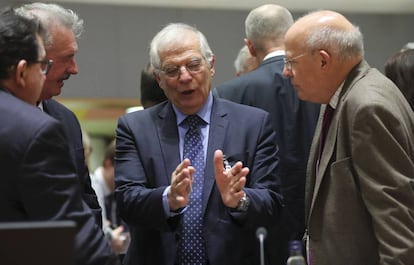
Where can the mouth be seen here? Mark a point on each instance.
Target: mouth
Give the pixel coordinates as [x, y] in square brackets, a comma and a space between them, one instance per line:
[295, 86]
[65, 77]
[187, 92]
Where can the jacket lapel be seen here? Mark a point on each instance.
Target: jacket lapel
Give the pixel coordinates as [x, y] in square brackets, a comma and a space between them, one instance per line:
[217, 134]
[166, 123]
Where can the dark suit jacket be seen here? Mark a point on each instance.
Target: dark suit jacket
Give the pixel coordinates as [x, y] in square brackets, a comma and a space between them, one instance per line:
[38, 179]
[360, 206]
[147, 153]
[73, 133]
[294, 122]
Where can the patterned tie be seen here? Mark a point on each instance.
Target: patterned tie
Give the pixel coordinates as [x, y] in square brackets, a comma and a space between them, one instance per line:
[192, 246]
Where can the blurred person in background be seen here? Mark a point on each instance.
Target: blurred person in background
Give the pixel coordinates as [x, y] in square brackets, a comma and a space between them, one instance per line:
[400, 69]
[151, 93]
[103, 182]
[245, 62]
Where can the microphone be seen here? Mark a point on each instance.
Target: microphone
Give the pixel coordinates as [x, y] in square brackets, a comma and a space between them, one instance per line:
[261, 234]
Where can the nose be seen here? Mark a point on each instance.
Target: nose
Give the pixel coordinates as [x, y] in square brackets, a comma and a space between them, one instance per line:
[73, 68]
[184, 73]
[287, 72]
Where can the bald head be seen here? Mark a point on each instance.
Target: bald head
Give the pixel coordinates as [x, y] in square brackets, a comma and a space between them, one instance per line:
[321, 48]
[327, 30]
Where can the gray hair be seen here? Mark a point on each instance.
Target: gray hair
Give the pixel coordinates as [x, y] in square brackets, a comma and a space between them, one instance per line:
[344, 44]
[241, 59]
[267, 24]
[51, 15]
[170, 34]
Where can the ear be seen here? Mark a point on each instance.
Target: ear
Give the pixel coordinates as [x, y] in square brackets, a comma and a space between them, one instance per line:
[211, 64]
[21, 72]
[325, 58]
[156, 75]
[250, 46]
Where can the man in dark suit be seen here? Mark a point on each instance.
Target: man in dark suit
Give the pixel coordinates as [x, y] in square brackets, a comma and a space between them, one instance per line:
[293, 119]
[157, 184]
[360, 185]
[38, 177]
[64, 28]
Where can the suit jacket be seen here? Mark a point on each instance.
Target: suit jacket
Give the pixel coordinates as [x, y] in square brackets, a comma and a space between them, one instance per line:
[73, 133]
[147, 153]
[294, 122]
[360, 205]
[38, 177]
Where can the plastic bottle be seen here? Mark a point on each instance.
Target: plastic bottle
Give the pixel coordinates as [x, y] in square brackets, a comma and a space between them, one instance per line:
[296, 255]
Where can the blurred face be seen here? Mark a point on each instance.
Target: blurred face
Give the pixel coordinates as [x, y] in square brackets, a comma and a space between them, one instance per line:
[189, 88]
[62, 52]
[251, 64]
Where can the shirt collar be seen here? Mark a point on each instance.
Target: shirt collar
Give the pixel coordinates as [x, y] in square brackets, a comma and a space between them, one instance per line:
[40, 105]
[274, 54]
[204, 113]
[335, 98]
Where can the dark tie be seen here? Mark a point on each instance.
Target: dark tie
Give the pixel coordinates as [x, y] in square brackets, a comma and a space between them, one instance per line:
[192, 245]
[111, 211]
[326, 122]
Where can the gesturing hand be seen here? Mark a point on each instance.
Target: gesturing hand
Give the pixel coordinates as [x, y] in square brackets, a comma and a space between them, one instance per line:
[231, 182]
[181, 181]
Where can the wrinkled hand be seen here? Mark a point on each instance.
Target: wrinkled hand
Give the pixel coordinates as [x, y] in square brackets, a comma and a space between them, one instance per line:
[181, 182]
[230, 183]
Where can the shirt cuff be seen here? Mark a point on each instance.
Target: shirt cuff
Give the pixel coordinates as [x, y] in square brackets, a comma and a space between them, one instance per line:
[166, 206]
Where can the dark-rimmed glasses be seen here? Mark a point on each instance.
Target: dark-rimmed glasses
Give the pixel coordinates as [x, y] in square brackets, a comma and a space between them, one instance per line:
[288, 62]
[45, 65]
[193, 67]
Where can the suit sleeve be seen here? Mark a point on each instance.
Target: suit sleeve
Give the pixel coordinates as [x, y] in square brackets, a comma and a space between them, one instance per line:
[138, 195]
[263, 185]
[50, 191]
[88, 193]
[382, 152]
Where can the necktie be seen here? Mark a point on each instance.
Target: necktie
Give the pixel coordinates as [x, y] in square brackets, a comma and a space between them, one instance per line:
[192, 245]
[111, 212]
[326, 122]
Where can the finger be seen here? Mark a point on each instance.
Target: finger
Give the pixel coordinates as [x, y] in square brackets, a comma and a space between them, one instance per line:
[218, 163]
[239, 181]
[184, 164]
[239, 185]
[185, 172]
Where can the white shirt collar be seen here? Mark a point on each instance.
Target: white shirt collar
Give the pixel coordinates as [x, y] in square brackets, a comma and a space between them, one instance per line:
[274, 54]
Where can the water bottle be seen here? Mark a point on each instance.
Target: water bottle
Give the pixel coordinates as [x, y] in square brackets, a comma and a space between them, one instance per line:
[296, 255]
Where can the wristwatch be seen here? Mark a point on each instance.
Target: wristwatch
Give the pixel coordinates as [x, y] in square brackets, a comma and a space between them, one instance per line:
[244, 203]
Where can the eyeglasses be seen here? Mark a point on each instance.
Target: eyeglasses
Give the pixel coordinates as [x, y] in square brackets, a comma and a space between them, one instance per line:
[288, 62]
[193, 67]
[45, 65]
